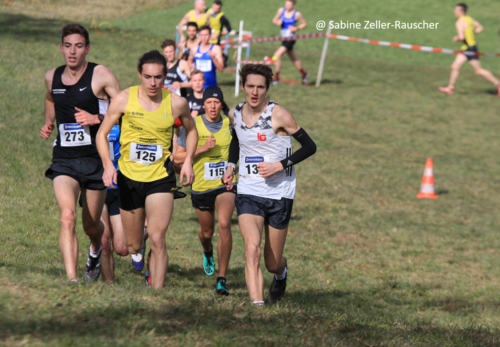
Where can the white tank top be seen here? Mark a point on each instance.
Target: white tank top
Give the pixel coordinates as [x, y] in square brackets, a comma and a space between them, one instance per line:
[261, 143]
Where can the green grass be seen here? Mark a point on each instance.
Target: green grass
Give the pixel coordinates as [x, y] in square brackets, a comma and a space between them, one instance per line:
[369, 263]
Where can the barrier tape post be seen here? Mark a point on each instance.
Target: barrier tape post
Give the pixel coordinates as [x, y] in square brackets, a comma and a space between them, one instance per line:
[238, 64]
[323, 56]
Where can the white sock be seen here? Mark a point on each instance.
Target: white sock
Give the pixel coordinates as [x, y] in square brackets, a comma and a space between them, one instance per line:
[258, 303]
[137, 257]
[94, 254]
[282, 276]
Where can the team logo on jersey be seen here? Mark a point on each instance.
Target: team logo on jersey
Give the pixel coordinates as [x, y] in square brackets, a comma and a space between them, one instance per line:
[261, 137]
[82, 89]
[58, 91]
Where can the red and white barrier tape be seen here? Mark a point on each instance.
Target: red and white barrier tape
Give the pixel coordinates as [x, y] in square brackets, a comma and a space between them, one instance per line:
[261, 62]
[234, 39]
[291, 38]
[414, 47]
[244, 45]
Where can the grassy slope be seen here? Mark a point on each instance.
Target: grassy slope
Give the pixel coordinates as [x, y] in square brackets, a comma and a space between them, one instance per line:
[369, 263]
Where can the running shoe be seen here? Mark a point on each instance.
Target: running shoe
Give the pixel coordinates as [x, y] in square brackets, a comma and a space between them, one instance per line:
[138, 266]
[147, 278]
[275, 82]
[221, 288]
[93, 268]
[446, 90]
[208, 263]
[305, 77]
[277, 288]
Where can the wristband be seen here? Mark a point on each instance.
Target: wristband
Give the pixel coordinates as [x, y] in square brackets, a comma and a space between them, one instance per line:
[232, 165]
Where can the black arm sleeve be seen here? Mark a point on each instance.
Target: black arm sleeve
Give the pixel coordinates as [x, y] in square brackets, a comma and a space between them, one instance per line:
[308, 148]
[234, 149]
[225, 23]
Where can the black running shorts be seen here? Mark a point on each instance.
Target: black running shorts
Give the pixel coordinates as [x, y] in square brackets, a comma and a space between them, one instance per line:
[113, 202]
[86, 171]
[133, 193]
[276, 213]
[206, 201]
[288, 44]
[474, 50]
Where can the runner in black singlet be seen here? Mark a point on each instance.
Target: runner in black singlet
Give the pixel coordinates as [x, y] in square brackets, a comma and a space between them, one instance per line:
[77, 98]
[178, 71]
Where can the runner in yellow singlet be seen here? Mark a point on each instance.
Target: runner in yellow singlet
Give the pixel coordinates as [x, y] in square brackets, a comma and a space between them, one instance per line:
[467, 28]
[196, 15]
[208, 193]
[146, 175]
[217, 21]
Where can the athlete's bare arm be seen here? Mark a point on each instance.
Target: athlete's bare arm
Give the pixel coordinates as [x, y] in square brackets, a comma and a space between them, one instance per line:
[227, 179]
[180, 109]
[283, 124]
[277, 17]
[460, 25]
[180, 154]
[479, 28]
[183, 22]
[187, 71]
[115, 111]
[191, 57]
[50, 110]
[105, 85]
[302, 23]
[216, 55]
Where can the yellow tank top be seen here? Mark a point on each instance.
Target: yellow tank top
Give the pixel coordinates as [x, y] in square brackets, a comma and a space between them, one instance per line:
[470, 36]
[145, 139]
[209, 167]
[215, 24]
[201, 22]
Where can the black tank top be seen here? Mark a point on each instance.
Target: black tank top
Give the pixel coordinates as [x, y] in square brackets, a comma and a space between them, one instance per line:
[74, 141]
[174, 74]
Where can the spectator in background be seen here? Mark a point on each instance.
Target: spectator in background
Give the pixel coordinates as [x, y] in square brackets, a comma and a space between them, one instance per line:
[192, 41]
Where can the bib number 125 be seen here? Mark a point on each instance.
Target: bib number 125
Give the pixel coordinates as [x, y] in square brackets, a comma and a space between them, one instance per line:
[145, 154]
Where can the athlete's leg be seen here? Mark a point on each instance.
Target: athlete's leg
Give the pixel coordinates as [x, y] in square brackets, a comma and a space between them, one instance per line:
[206, 231]
[107, 261]
[133, 228]
[119, 244]
[476, 65]
[296, 62]
[273, 249]
[460, 60]
[159, 208]
[92, 204]
[251, 230]
[66, 190]
[277, 64]
[224, 204]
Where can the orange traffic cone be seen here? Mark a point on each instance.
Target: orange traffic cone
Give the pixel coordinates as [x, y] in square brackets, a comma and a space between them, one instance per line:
[427, 187]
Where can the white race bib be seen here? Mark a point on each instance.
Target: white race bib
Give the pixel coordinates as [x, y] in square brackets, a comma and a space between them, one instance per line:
[204, 65]
[285, 33]
[215, 171]
[145, 154]
[111, 147]
[73, 135]
[249, 168]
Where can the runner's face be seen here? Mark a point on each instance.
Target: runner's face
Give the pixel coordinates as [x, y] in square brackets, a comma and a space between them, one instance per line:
[74, 50]
[216, 8]
[191, 32]
[458, 11]
[204, 36]
[200, 6]
[255, 90]
[169, 53]
[152, 77]
[213, 107]
[197, 82]
[289, 5]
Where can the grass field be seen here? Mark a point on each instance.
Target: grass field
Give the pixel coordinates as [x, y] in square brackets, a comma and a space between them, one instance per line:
[370, 265]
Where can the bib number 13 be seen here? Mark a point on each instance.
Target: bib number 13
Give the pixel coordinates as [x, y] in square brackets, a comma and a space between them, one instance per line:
[250, 166]
[145, 154]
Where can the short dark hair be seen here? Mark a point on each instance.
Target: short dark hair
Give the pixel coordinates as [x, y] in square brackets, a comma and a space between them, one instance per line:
[152, 57]
[74, 28]
[256, 69]
[218, 2]
[192, 24]
[463, 6]
[204, 27]
[168, 43]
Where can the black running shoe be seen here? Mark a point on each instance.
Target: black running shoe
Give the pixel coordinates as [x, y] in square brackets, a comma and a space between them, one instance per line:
[93, 268]
[277, 288]
[305, 77]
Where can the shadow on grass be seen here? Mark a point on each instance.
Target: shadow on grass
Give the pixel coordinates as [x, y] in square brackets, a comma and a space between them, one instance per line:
[27, 29]
[286, 324]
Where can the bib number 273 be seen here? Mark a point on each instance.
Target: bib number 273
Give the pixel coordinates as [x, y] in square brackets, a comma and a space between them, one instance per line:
[73, 135]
